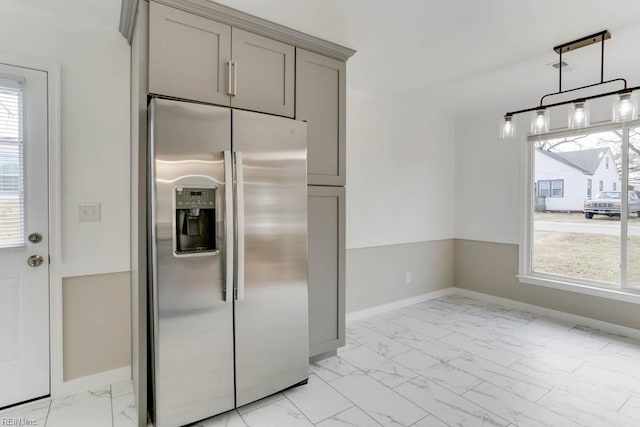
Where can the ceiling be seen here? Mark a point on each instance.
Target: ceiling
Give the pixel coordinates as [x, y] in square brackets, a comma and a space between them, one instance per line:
[459, 56]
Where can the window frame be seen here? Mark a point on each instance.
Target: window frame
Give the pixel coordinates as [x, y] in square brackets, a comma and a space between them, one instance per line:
[550, 188]
[584, 286]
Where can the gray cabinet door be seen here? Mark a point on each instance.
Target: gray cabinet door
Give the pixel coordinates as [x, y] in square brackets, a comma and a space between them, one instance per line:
[326, 247]
[321, 101]
[263, 74]
[188, 56]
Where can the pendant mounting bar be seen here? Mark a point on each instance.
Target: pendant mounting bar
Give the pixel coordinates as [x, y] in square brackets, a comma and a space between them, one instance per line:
[582, 42]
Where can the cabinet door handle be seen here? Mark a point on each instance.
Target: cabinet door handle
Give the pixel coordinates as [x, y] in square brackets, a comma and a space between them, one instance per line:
[235, 78]
[229, 88]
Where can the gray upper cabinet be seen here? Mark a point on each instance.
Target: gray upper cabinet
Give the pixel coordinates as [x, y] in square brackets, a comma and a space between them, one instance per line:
[188, 56]
[196, 58]
[326, 246]
[264, 77]
[321, 101]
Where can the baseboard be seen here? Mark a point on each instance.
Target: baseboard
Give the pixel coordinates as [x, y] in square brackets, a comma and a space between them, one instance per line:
[378, 309]
[89, 382]
[560, 315]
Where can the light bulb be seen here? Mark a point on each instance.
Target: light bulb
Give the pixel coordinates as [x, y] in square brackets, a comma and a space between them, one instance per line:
[507, 127]
[579, 115]
[625, 107]
[540, 121]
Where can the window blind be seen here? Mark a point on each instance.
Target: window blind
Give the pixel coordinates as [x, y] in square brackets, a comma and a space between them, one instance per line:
[12, 185]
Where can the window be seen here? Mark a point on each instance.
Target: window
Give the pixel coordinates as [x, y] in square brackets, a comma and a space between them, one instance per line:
[551, 188]
[591, 242]
[606, 162]
[11, 164]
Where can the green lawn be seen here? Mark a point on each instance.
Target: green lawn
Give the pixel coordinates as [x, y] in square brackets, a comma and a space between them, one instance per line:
[586, 256]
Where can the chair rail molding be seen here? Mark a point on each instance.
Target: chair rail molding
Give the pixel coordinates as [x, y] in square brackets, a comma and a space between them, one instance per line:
[242, 20]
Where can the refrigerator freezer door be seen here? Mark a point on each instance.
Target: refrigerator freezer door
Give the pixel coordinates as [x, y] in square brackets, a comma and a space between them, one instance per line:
[192, 322]
[271, 319]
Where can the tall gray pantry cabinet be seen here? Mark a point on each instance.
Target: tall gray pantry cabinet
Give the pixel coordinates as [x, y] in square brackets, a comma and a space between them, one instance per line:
[198, 50]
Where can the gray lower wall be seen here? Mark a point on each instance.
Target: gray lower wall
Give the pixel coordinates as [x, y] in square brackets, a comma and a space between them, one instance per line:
[376, 275]
[491, 268]
[96, 324]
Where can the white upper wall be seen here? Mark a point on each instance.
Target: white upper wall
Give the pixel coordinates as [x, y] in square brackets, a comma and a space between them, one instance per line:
[95, 136]
[488, 181]
[400, 175]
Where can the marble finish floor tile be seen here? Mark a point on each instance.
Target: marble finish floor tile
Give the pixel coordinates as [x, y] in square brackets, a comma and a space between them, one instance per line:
[438, 349]
[83, 409]
[378, 367]
[260, 403]
[278, 414]
[430, 329]
[378, 401]
[583, 412]
[377, 342]
[120, 389]
[482, 349]
[610, 397]
[124, 411]
[448, 406]
[430, 421]
[451, 361]
[317, 400]
[500, 376]
[631, 408]
[333, 368]
[228, 419]
[350, 418]
[30, 414]
[448, 376]
[517, 410]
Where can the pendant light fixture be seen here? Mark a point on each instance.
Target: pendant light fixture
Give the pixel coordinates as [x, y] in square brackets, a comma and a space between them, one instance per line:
[540, 121]
[625, 106]
[507, 128]
[579, 115]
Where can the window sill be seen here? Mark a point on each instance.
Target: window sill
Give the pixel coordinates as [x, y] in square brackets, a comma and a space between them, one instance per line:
[613, 294]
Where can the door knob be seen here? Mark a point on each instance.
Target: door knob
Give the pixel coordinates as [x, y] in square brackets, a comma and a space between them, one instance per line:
[35, 261]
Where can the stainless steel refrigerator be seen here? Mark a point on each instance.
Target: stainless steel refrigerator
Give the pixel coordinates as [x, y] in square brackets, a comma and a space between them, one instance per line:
[228, 258]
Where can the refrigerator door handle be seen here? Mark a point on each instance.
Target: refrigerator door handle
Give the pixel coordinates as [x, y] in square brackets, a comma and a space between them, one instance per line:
[239, 227]
[228, 226]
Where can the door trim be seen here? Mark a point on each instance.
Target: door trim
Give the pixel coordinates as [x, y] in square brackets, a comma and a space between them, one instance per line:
[52, 70]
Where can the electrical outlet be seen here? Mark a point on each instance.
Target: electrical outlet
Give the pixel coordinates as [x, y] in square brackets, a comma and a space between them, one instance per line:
[407, 277]
[89, 212]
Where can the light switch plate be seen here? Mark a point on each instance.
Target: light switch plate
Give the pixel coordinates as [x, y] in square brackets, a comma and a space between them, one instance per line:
[89, 212]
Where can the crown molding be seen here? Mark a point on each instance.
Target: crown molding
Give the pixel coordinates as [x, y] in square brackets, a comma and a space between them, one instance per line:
[245, 21]
[128, 13]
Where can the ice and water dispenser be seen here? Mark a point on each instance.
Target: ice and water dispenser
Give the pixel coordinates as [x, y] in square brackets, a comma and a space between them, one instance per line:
[195, 221]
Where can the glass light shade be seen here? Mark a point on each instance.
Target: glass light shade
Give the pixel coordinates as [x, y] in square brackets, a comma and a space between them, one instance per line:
[579, 115]
[507, 128]
[625, 107]
[540, 121]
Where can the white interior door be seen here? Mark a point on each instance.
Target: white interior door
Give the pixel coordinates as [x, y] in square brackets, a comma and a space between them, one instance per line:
[24, 236]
